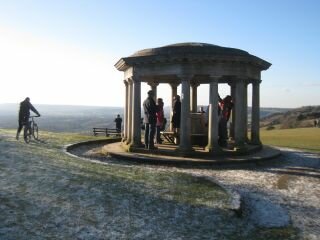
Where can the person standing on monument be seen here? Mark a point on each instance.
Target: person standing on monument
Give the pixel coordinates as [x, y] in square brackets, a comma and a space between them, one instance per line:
[224, 111]
[160, 119]
[176, 114]
[150, 109]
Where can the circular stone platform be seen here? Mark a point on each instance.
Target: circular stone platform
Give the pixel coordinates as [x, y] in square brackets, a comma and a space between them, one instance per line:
[113, 148]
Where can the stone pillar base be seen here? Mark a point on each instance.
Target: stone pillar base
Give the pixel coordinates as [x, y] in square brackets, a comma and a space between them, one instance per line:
[256, 142]
[211, 149]
[240, 148]
[125, 146]
[130, 147]
[184, 152]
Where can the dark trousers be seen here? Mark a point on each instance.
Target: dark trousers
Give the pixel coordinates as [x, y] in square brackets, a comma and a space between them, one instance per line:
[158, 135]
[223, 132]
[22, 122]
[149, 135]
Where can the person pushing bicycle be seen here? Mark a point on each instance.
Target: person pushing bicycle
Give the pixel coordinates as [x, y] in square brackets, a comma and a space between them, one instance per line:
[24, 114]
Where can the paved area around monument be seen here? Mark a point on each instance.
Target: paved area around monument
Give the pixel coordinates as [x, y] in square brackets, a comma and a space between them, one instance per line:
[200, 158]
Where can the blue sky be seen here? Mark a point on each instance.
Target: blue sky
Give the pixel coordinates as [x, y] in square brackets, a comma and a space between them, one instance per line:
[63, 52]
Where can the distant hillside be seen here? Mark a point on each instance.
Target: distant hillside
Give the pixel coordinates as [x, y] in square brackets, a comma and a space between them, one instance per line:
[264, 112]
[81, 119]
[63, 118]
[294, 118]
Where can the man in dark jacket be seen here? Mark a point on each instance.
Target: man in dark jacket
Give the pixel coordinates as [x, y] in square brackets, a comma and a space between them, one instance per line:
[24, 114]
[118, 122]
[176, 114]
[150, 109]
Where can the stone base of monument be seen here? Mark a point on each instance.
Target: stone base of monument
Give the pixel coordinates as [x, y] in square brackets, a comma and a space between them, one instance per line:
[172, 155]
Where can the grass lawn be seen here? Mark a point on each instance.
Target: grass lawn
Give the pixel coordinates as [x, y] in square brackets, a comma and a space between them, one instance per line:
[301, 138]
[47, 194]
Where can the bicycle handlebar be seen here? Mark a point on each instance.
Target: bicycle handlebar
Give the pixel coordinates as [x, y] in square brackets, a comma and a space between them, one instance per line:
[34, 116]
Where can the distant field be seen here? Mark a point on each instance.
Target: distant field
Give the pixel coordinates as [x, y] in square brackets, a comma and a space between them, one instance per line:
[302, 138]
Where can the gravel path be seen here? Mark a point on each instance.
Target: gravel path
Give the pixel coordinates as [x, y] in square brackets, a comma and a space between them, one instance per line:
[274, 194]
[293, 182]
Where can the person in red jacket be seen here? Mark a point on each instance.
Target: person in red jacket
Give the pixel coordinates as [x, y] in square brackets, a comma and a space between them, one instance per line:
[160, 119]
[24, 114]
[225, 107]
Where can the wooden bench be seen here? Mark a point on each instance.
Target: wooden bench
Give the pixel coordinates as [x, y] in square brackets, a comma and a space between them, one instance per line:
[196, 138]
[106, 131]
[169, 136]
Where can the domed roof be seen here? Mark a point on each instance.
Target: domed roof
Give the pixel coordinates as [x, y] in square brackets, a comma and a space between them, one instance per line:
[190, 48]
[190, 52]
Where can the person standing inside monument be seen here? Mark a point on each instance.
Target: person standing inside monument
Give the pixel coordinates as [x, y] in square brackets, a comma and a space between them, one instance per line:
[150, 109]
[201, 110]
[24, 114]
[224, 111]
[160, 119]
[176, 115]
[118, 122]
[203, 119]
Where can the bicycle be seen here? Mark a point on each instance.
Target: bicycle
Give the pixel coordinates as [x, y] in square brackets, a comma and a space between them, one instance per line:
[31, 129]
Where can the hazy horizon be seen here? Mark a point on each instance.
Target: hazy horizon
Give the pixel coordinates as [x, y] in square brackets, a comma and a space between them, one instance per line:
[102, 106]
[76, 118]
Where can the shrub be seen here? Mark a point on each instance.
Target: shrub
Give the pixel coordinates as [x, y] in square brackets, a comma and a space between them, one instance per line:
[300, 117]
[289, 123]
[270, 127]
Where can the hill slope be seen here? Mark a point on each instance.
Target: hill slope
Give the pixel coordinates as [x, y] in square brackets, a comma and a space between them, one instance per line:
[298, 117]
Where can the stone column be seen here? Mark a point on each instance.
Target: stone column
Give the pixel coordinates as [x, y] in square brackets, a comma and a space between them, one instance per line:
[129, 112]
[194, 96]
[136, 113]
[233, 93]
[239, 115]
[213, 145]
[174, 87]
[154, 86]
[125, 117]
[246, 111]
[185, 123]
[255, 115]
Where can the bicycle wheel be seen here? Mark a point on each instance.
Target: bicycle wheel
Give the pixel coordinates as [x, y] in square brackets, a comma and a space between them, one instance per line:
[35, 131]
[26, 134]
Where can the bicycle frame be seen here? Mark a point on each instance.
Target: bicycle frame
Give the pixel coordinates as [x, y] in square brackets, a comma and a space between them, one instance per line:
[31, 129]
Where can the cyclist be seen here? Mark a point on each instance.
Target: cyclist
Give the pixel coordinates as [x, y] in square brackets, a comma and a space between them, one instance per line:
[24, 113]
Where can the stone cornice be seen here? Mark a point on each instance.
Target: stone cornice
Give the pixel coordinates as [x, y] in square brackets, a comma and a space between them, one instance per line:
[124, 63]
